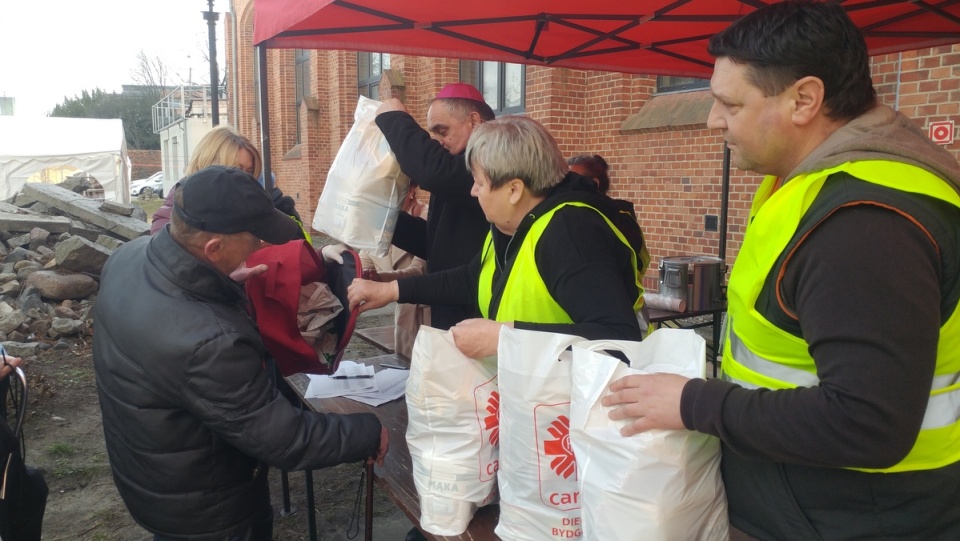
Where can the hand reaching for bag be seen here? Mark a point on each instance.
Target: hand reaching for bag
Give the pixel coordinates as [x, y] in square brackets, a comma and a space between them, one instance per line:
[648, 401]
[244, 273]
[331, 253]
[366, 294]
[392, 104]
[478, 338]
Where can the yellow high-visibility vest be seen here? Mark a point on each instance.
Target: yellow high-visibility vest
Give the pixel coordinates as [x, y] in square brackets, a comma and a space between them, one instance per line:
[759, 354]
[525, 295]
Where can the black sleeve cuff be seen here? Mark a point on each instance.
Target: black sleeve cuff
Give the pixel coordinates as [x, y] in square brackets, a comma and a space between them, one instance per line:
[688, 398]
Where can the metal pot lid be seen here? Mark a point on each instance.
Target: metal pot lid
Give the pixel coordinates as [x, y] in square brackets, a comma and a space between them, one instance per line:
[694, 259]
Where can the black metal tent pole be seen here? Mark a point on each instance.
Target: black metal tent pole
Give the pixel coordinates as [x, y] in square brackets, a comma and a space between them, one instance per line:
[724, 202]
[264, 117]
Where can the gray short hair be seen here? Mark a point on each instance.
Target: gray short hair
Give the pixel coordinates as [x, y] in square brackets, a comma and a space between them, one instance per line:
[516, 147]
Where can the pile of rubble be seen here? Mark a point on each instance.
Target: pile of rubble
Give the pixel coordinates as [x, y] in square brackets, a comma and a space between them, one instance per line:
[53, 244]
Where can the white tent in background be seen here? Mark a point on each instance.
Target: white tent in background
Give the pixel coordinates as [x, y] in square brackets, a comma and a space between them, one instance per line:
[50, 149]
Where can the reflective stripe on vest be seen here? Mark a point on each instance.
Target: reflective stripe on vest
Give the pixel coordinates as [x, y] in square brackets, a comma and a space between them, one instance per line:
[943, 409]
[794, 377]
[525, 296]
[759, 354]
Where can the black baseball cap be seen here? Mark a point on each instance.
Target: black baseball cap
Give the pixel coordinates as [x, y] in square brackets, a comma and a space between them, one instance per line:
[228, 200]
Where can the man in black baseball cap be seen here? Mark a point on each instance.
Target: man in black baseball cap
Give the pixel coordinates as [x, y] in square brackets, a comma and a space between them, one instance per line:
[222, 213]
[191, 415]
[221, 199]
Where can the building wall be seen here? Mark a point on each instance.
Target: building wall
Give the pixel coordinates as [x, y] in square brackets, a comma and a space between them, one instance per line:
[144, 163]
[673, 175]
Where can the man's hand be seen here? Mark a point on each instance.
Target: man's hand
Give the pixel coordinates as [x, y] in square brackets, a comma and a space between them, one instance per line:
[382, 448]
[371, 274]
[9, 363]
[393, 104]
[366, 295]
[244, 273]
[652, 401]
[477, 338]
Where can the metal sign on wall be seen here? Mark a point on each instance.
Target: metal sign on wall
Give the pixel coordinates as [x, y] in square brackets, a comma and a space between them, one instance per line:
[941, 133]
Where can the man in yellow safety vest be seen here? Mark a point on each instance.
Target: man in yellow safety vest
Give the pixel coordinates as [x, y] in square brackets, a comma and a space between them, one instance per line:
[839, 406]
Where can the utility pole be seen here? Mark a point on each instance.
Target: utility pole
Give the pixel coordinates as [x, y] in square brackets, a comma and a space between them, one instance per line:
[211, 17]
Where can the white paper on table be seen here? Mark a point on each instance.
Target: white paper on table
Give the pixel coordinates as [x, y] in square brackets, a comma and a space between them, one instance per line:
[391, 385]
[328, 386]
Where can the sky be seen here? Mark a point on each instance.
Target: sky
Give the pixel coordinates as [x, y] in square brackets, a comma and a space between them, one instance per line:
[51, 49]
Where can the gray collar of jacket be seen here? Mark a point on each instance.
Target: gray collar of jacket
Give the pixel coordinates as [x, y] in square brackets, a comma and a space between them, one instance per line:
[882, 134]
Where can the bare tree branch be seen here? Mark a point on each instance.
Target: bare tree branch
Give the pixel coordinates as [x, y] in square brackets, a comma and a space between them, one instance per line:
[150, 72]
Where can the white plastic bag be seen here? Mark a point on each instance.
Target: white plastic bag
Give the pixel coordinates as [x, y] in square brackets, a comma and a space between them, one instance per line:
[452, 431]
[364, 189]
[539, 497]
[659, 485]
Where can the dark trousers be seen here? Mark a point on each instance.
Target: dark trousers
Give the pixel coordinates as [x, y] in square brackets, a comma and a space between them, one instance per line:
[776, 501]
[260, 530]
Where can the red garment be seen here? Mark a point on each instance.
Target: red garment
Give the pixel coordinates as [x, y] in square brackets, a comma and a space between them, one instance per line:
[275, 298]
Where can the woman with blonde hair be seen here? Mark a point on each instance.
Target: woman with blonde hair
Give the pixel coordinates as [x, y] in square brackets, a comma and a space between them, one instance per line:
[225, 146]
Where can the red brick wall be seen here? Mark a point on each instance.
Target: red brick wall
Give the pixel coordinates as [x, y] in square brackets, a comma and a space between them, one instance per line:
[924, 85]
[673, 176]
[144, 163]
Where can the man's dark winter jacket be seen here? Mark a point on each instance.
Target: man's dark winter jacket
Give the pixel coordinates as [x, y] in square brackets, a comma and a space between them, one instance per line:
[190, 415]
[455, 228]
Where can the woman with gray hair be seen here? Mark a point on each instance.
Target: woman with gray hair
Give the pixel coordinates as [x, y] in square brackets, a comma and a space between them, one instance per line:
[556, 258]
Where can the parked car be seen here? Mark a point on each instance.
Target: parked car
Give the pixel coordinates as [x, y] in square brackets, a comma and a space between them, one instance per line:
[154, 182]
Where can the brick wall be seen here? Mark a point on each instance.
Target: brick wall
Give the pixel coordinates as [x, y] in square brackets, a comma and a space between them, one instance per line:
[924, 85]
[673, 175]
[144, 163]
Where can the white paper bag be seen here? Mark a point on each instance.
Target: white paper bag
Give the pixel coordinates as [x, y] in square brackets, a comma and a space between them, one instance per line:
[452, 432]
[539, 497]
[657, 485]
[364, 189]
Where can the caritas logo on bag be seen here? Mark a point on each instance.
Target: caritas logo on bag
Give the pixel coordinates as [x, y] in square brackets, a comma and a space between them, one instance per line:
[558, 467]
[487, 400]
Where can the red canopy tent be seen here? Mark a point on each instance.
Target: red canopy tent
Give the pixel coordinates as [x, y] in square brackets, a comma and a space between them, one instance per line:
[666, 37]
[656, 37]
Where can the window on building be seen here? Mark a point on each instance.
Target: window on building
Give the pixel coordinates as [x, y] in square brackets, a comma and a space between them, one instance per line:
[370, 68]
[301, 60]
[669, 83]
[503, 85]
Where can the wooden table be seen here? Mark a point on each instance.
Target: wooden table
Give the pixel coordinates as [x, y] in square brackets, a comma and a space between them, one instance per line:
[660, 318]
[381, 337]
[395, 478]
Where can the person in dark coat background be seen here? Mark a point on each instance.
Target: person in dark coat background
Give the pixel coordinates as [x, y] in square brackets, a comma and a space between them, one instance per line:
[192, 416]
[433, 159]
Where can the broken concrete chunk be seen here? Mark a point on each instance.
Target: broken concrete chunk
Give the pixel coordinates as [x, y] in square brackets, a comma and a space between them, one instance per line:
[109, 242]
[12, 321]
[124, 209]
[21, 349]
[38, 238]
[86, 231]
[80, 255]
[22, 223]
[86, 209]
[7, 207]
